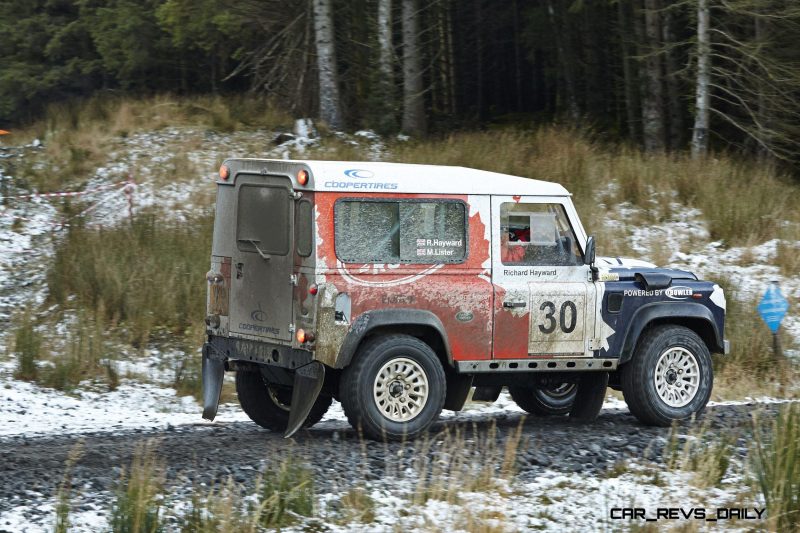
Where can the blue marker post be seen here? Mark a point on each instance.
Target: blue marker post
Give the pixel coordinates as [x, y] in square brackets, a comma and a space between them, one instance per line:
[773, 308]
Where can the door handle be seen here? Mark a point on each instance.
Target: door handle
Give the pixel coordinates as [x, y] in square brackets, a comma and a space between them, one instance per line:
[514, 304]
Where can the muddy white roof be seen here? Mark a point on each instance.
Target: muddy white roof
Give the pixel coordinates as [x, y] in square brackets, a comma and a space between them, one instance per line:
[359, 176]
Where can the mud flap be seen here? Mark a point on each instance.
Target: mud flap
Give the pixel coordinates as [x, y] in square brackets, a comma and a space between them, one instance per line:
[213, 374]
[308, 381]
[486, 394]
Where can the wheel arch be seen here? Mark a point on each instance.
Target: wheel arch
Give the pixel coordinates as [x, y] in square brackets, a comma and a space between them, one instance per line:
[419, 323]
[693, 316]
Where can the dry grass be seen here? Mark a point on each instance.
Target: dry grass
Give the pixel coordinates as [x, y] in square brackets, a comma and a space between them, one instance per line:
[742, 201]
[78, 135]
[707, 455]
[457, 461]
[788, 258]
[138, 507]
[140, 277]
[775, 462]
[751, 369]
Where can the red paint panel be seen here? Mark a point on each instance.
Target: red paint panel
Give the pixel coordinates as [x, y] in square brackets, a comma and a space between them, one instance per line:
[444, 289]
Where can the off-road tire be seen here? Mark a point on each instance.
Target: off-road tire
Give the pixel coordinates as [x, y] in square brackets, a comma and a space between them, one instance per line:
[538, 401]
[257, 402]
[639, 375]
[357, 387]
[590, 395]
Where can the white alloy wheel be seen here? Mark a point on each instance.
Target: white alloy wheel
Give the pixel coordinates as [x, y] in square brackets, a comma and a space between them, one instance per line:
[677, 376]
[401, 389]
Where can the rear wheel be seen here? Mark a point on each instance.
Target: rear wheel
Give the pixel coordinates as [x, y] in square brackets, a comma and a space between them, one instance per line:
[268, 405]
[545, 400]
[394, 388]
[670, 376]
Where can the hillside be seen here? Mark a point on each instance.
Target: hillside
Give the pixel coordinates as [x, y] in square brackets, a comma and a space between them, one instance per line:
[102, 295]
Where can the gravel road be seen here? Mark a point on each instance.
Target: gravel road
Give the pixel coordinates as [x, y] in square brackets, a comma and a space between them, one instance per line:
[32, 467]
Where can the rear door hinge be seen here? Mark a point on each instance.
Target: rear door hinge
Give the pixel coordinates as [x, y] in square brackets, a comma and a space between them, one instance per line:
[594, 344]
[293, 279]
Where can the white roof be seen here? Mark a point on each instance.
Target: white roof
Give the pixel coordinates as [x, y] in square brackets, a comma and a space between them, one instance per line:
[361, 176]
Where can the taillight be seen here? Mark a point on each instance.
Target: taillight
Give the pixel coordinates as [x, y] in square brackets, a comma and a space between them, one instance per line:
[302, 177]
[303, 337]
[224, 173]
[313, 290]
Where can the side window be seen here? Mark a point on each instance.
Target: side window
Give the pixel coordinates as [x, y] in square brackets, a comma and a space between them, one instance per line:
[262, 221]
[537, 234]
[400, 232]
[304, 224]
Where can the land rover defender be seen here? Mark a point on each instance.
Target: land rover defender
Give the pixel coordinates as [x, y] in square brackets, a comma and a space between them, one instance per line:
[396, 289]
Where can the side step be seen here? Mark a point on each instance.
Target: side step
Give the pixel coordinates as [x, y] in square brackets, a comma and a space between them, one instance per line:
[559, 364]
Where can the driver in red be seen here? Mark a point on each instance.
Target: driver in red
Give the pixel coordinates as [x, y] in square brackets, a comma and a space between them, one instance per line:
[510, 254]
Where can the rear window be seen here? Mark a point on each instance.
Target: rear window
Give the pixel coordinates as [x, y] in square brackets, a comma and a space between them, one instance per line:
[262, 221]
[410, 231]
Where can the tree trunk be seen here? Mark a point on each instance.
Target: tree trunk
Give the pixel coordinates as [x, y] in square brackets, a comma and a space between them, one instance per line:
[653, 99]
[329, 105]
[700, 132]
[385, 41]
[413, 96]
[762, 119]
[676, 128]
[556, 21]
[632, 111]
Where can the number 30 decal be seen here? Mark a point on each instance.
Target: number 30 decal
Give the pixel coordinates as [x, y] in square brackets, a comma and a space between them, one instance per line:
[550, 320]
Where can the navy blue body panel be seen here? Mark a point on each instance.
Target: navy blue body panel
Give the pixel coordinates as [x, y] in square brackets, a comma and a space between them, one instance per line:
[631, 305]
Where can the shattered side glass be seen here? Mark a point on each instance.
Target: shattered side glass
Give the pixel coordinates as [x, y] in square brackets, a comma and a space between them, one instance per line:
[400, 232]
[368, 232]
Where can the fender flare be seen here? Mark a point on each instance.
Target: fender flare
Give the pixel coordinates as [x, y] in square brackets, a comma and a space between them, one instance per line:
[680, 313]
[368, 321]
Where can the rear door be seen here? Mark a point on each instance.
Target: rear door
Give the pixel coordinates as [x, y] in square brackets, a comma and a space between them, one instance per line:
[544, 297]
[262, 264]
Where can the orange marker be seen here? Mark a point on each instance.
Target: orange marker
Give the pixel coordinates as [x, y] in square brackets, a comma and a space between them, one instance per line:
[4, 132]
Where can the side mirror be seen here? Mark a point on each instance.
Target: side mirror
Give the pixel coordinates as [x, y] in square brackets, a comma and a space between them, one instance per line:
[588, 257]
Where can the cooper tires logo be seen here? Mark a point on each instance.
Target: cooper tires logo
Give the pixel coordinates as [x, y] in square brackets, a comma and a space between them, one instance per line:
[258, 315]
[359, 173]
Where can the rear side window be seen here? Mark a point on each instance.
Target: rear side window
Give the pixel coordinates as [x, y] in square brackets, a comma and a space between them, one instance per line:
[304, 216]
[385, 231]
[262, 221]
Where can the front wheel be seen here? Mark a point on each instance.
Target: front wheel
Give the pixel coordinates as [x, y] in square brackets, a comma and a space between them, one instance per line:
[545, 400]
[670, 376]
[268, 405]
[394, 388]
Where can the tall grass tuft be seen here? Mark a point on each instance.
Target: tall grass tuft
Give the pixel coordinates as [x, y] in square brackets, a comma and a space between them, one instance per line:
[28, 348]
[285, 491]
[282, 495]
[144, 276]
[464, 462]
[707, 456]
[64, 495]
[775, 462]
[137, 507]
